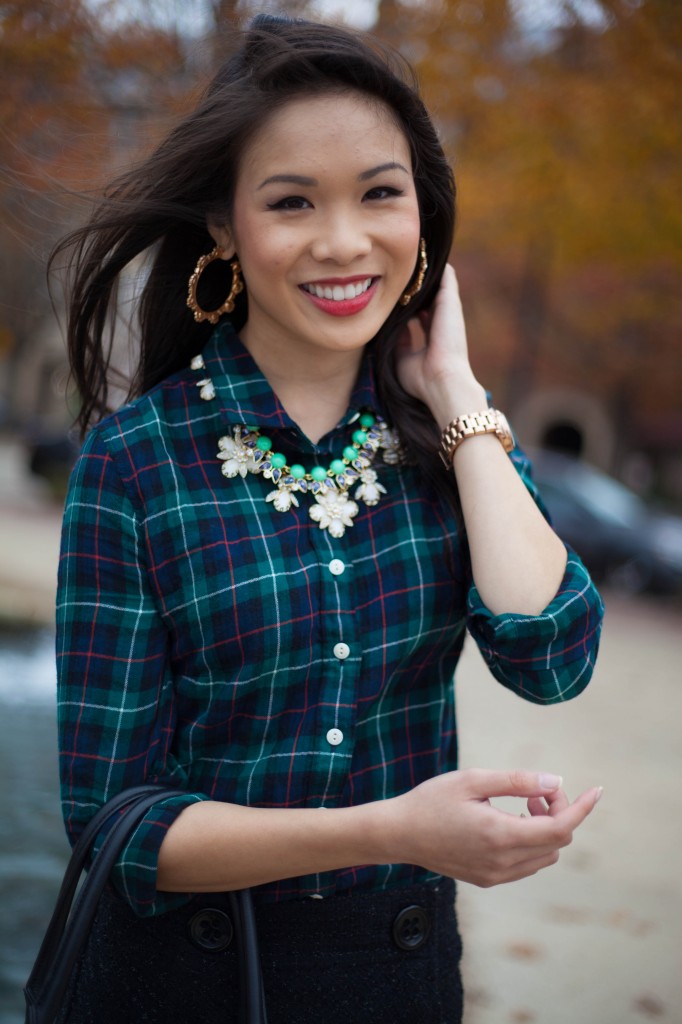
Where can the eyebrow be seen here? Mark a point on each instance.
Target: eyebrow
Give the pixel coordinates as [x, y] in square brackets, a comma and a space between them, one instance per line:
[288, 179]
[380, 170]
[299, 179]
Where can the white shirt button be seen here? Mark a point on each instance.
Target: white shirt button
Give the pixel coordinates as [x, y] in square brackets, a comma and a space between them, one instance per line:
[334, 737]
[336, 567]
[341, 651]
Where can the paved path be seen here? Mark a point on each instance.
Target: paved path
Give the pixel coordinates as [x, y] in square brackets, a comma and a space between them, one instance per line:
[597, 939]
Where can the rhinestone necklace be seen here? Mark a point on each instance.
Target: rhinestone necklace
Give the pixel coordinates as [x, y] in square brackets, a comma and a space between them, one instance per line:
[247, 450]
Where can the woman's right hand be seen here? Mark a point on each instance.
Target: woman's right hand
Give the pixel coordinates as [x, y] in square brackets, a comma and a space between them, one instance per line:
[448, 825]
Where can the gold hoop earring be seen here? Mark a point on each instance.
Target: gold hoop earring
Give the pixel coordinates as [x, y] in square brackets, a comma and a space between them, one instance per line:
[421, 274]
[228, 305]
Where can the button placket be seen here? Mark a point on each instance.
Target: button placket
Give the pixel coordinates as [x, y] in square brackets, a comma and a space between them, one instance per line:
[336, 683]
[338, 676]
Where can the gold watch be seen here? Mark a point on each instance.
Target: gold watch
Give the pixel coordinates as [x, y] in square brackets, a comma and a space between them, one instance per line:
[491, 421]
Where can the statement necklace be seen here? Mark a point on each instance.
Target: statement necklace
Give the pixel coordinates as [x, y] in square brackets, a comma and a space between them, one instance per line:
[247, 450]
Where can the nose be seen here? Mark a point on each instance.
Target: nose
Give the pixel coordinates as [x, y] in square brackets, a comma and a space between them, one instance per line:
[341, 238]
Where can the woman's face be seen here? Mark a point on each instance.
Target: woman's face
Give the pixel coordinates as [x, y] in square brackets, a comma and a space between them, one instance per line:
[325, 225]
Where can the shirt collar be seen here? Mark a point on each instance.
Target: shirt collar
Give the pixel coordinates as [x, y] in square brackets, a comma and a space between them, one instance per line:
[245, 394]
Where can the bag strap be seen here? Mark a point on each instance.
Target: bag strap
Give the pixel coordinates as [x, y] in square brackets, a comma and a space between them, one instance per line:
[74, 869]
[68, 930]
[252, 978]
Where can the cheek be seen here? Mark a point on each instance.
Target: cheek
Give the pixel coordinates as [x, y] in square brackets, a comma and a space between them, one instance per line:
[409, 235]
[408, 226]
[268, 247]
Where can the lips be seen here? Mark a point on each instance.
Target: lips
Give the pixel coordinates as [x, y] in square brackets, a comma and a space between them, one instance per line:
[341, 298]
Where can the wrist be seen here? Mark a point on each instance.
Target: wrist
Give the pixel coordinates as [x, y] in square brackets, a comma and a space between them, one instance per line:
[453, 397]
[376, 832]
[485, 422]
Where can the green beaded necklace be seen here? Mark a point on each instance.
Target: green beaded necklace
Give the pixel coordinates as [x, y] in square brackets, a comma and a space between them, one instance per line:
[247, 451]
[337, 467]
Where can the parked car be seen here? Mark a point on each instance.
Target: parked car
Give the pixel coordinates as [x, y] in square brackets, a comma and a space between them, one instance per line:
[622, 540]
[51, 456]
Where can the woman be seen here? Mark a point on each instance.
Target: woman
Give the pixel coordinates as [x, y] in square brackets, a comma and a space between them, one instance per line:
[271, 555]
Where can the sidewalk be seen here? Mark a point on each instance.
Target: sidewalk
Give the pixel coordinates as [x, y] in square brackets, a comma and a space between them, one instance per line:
[597, 938]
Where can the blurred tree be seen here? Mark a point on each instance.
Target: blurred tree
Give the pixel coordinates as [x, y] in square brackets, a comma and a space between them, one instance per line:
[566, 147]
[39, 47]
[76, 86]
[567, 158]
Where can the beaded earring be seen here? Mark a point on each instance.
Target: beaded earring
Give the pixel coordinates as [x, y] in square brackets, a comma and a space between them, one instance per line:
[408, 295]
[228, 305]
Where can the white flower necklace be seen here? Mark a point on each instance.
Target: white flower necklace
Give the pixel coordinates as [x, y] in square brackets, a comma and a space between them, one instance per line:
[248, 451]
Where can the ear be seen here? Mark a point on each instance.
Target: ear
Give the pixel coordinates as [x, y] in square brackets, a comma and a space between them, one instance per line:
[222, 236]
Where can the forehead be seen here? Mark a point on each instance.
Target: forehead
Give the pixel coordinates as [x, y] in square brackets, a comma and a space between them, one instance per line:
[326, 131]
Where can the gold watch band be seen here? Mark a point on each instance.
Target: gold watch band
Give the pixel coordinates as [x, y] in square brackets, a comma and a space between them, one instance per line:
[490, 421]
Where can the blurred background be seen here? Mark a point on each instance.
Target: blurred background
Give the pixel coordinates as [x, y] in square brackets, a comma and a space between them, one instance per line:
[562, 119]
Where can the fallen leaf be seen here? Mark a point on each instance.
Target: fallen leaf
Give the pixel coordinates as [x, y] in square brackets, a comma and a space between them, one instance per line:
[524, 951]
[649, 1006]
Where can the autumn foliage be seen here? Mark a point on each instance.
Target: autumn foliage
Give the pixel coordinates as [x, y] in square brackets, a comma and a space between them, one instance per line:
[566, 149]
[567, 154]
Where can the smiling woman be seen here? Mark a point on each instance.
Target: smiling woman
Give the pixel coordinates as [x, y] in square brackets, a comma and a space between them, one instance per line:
[328, 262]
[271, 555]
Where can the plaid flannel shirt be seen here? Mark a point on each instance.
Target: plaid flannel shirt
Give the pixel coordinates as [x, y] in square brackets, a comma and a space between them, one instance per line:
[199, 627]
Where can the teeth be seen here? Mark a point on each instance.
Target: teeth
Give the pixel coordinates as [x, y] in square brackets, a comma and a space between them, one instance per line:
[339, 292]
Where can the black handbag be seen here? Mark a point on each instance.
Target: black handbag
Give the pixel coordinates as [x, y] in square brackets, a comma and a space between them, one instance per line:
[69, 928]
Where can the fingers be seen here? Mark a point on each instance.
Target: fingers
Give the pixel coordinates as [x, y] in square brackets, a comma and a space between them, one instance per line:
[483, 784]
[449, 278]
[462, 835]
[551, 804]
[575, 813]
[556, 825]
[537, 806]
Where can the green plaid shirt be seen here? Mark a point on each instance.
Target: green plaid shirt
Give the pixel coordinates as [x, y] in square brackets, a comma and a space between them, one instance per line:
[210, 641]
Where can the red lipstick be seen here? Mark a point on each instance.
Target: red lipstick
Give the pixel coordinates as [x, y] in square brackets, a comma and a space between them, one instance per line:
[342, 307]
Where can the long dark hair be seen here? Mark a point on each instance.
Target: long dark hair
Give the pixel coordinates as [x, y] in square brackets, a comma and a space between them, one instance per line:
[161, 207]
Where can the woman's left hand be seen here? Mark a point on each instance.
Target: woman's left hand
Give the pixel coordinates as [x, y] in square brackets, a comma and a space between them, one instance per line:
[517, 560]
[433, 359]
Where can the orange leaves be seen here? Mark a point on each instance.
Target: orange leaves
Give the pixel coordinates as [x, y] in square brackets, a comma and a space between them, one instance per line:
[574, 143]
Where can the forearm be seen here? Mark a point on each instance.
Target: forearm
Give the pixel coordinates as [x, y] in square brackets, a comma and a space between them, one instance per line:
[516, 558]
[215, 847]
[446, 825]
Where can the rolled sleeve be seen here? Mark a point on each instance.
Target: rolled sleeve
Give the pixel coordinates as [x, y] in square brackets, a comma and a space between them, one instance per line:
[549, 657]
[115, 692]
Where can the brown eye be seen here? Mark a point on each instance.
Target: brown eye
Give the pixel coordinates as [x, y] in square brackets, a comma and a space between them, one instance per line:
[383, 192]
[289, 203]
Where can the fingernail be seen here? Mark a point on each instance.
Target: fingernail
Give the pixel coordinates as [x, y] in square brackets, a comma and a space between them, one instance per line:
[550, 781]
[600, 790]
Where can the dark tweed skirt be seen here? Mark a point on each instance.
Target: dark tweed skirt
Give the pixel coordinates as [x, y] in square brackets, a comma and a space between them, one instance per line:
[384, 958]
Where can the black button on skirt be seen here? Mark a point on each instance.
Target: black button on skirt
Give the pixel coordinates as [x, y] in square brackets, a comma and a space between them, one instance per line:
[380, 958]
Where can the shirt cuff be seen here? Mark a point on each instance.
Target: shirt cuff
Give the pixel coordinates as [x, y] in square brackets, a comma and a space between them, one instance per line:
[549, 657]
[134, 875]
